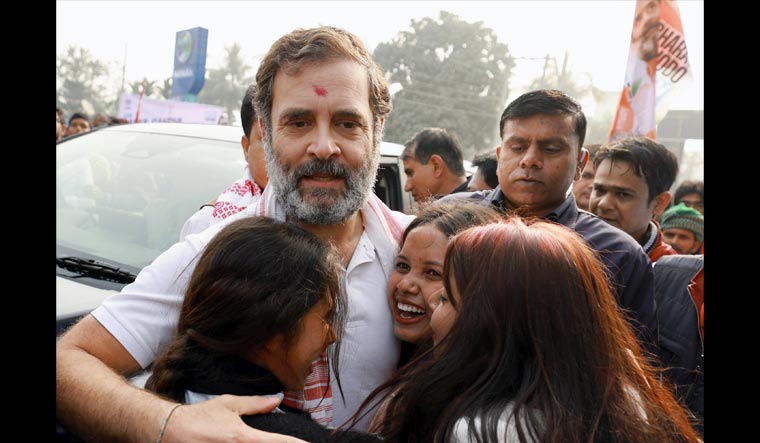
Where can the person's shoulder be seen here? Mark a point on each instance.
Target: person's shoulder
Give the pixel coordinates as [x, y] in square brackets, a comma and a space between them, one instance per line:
[402, 218]
[603, 236]
[197, 222]
[375, 209]
[474, 196]
[301, 426]
[196, 241]
[588, 222]
[693, 263]
[285, 423]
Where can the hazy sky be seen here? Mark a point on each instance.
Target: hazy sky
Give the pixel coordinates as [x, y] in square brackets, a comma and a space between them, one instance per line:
[596, 34]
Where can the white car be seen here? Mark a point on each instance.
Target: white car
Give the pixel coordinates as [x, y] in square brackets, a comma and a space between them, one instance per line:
[123, 193]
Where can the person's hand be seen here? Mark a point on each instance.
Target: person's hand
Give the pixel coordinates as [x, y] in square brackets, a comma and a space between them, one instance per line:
[218, 420]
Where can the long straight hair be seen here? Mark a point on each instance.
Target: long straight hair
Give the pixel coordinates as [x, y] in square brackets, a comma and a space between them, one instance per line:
[539, 333]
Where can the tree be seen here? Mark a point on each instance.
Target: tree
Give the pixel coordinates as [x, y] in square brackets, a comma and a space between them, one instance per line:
[453, 75]
[571, 84]
[226, 85]
[151, 89]
[81, 81]
[165, 90]
[564, 80]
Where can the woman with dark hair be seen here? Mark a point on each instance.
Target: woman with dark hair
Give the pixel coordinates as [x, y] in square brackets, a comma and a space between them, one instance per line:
[418, 270]
[263, 303]
[529, 346]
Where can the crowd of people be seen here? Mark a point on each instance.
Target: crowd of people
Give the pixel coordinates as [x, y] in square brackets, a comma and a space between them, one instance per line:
[519, 305]
[80, 122]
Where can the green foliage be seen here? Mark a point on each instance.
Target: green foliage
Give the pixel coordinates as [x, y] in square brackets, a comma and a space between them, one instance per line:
[81, 81]
[226, 85]
[165, 90]
[151, 90]
[454, 75]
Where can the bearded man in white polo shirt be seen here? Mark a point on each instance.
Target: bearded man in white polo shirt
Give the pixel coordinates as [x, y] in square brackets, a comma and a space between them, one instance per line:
[322, 102]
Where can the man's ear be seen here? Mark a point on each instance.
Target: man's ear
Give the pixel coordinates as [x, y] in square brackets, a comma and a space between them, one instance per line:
[244, 144]
[438, 165]
[661, 203]
[582, 160]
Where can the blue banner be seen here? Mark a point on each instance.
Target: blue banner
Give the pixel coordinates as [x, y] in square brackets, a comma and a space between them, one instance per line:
[189, 62]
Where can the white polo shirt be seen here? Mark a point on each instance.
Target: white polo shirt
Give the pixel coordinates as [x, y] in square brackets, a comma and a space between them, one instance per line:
[369, 350]
[143, 316]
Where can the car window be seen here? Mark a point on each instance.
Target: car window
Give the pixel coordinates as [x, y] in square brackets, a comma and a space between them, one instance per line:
[387, 186]
[122, 197]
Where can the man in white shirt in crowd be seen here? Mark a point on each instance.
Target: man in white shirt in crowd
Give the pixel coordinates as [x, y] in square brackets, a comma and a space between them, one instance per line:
[322, 103]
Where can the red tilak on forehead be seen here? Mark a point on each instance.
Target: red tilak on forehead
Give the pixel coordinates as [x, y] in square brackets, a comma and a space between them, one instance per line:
[320, 91]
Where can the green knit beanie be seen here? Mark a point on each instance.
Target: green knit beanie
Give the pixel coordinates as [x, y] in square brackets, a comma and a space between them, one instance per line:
[684, 217]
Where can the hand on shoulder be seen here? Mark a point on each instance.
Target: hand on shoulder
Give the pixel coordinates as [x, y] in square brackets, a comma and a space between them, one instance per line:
[218, 420]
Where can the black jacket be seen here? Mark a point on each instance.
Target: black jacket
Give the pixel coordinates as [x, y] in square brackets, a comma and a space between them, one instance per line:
[682, 346]
[240, 377]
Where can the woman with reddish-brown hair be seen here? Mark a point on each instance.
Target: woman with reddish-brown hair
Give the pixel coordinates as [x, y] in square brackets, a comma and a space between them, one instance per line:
[530, 346]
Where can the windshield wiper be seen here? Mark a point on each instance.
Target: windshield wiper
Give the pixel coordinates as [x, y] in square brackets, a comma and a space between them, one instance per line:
[95, 269]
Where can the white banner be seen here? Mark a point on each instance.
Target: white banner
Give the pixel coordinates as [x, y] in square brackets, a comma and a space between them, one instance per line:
[152, 110]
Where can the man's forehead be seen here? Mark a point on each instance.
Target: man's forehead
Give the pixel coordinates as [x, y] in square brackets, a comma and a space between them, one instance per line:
[691, 198]
[680, 231]
[346, 73]
[617, 167]
[410, 162]
[409, 152]
[543, 127]
[640, 6]
[557, 122]
[342, 84]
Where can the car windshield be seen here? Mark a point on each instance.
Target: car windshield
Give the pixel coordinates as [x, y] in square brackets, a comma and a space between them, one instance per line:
[122, 196]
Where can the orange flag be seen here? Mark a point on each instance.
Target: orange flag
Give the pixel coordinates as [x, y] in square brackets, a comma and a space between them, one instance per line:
[658, 66]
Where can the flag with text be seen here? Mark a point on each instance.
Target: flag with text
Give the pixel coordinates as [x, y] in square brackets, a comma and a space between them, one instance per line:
[658, 67]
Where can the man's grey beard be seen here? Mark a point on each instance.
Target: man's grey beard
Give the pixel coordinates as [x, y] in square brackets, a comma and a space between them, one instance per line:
[321, 206]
